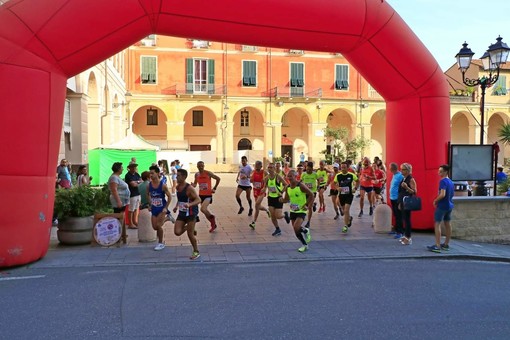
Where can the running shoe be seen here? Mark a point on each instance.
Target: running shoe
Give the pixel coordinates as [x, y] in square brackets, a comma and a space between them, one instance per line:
[406, 241]
[195, 255]
[314, 207]
[198, 219]
[252, 225]
[286, 216]
[350, 222]
[324, 209]
[160, 246]
[241, 209]
[371, 211]
[360, 213]
[250, 212]
[398, 236]
[345, 229]
[341, 212]
[308, 235]
[277, 232]
[303, 249]
[445, 247]
[434, 249]
[336, 216]
[212, 219]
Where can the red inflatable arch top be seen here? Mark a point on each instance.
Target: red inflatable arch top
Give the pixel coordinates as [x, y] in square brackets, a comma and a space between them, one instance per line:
[44, 42]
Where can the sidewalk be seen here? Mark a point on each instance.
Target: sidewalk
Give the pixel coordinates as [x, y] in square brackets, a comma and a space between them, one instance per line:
[235, 242]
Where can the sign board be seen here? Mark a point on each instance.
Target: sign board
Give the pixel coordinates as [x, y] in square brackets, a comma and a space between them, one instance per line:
[471, 162]
[107, 231]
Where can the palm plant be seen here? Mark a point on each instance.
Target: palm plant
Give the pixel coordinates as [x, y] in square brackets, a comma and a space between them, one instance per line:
[504, 133]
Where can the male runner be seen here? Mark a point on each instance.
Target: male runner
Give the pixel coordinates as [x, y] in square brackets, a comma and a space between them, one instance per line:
[206, 190]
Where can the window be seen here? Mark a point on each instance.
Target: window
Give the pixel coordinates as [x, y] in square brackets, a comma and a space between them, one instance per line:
[499, 88]
[149, 69]
[245, 118]
[198, 118]
[152, 117]
[341, 77]
[297, 79]
[200, 76]
[249, 73]
[67, 116]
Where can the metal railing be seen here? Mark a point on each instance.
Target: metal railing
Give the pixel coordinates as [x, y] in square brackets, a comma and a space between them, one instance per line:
[199, 89]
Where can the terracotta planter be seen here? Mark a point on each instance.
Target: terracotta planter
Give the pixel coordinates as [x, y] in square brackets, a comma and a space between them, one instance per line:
[75, 230]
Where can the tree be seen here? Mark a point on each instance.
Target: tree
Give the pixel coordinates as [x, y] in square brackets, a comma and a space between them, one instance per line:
[504, 133]
[342, 147]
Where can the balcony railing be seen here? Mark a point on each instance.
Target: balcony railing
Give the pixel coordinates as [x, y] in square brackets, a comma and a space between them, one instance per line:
[195, 89]
[294, 92]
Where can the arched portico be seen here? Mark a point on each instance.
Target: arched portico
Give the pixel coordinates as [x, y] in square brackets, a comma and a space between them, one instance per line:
[38, 53]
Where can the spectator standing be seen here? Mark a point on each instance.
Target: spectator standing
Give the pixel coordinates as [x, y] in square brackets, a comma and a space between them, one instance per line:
[82, 178]
[119, 189]
[394, 189]
[133, 179]
[64, 175]
[407, 188]
[444, 206]
[501, 176]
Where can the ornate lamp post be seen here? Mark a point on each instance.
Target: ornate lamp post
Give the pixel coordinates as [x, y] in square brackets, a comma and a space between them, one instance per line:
[493, 58]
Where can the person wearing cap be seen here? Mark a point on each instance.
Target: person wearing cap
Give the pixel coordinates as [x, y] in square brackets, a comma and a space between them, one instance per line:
[133, 179]
[333, 191]
[119, 190]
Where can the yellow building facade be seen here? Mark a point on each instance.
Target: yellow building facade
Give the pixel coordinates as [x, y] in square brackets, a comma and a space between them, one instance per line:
[216, 101]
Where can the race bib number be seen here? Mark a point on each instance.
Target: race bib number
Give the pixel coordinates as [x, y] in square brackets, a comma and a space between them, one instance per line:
[183, 207]
[203, 187]
[157, 202]
[272, 189]
[309, 185]
[257, 185]
[345, 190]
[294, 207]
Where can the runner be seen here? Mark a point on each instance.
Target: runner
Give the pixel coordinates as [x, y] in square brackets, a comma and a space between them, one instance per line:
[259, 191]
[333, 191]
[187, 203]
[158, 204]
[366, 176]
[310, 179]
[205, 191]
[244, 184]
[346, 181]
[322, 174]
[275, 185]
[300, 198]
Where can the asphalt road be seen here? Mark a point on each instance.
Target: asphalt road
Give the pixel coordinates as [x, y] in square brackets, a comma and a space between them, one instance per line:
[348, 299]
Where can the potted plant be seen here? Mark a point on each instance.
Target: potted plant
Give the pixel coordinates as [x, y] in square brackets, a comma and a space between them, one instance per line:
[75, 210]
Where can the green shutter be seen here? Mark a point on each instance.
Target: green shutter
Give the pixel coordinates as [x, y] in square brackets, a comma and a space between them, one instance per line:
[189, 75]
[210, 76]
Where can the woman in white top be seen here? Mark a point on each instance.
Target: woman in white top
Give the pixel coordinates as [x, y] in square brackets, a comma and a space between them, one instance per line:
[83, 179]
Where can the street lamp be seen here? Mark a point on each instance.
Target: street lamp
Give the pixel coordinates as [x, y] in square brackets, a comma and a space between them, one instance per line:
[492, 59]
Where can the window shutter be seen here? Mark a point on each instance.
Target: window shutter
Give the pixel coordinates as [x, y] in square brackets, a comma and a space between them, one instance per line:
[189, 75]
[210, 80]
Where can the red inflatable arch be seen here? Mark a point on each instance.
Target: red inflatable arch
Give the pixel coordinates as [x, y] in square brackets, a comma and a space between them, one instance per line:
[44, 42]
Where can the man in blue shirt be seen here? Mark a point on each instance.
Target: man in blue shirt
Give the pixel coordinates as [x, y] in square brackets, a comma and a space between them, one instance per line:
[444, 206]
[500, 175]
[397, 213]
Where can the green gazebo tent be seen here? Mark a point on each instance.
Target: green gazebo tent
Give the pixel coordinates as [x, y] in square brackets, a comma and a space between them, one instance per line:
[102, 158]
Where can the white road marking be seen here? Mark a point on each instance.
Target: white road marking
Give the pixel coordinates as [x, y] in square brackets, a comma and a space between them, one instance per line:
[22, 277]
